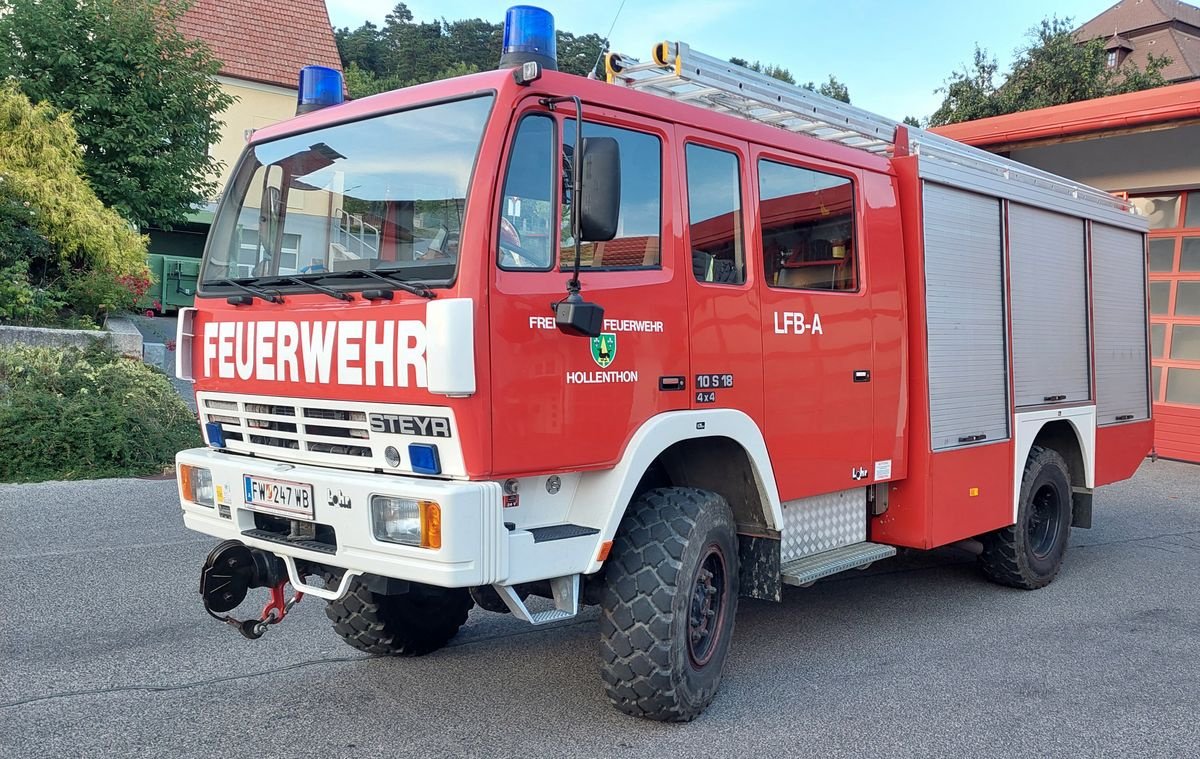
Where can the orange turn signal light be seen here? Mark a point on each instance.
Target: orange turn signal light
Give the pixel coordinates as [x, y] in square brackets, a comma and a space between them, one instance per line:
[431, 524]
[605, 547]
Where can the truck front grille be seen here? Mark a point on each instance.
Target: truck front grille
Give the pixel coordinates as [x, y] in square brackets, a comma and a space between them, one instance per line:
[266, 427]
[332, 432]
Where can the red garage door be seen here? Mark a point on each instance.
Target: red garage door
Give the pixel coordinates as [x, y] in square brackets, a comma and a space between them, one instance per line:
[1175, 320]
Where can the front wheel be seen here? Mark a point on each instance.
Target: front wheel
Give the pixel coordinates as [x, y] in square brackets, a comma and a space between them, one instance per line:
[409, 624]
[669, 599]
[1029, 554]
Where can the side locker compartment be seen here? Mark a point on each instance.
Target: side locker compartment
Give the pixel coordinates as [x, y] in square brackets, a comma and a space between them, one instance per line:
[965, 324]
[1123, 427]
[1048, 257]
[1119, 301]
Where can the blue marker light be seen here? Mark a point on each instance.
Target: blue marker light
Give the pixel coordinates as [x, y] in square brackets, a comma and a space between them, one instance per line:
[320, 87]
[215, 434]
[424, 458]
[529, 36]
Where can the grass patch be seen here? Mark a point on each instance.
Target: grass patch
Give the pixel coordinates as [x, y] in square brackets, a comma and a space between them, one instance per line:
[74, 414]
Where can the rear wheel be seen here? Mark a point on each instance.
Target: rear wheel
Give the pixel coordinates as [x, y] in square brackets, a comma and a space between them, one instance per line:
[668, 604]
[410, 624]
[1029, 553]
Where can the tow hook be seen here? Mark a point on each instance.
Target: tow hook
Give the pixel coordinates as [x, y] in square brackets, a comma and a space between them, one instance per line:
[231, 570]
[272, 614]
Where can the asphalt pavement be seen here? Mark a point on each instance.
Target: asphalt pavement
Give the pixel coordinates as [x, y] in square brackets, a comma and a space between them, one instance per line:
[106, 651]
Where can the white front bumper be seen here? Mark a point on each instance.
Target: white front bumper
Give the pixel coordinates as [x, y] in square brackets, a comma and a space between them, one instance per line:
[475, 541]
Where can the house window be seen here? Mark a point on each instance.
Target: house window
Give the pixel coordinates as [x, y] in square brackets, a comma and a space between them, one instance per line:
[1112, 59]
[1174, 264]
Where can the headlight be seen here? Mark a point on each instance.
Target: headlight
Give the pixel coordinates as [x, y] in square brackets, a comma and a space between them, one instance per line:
[196, 485]
[406, 521]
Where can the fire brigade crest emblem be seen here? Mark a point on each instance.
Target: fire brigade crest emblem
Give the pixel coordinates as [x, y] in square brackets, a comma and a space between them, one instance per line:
[604, 349]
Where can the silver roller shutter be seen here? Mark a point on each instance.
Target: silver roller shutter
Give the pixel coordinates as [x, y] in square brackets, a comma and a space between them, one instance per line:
[1049, 307]
[964, 315]
[1119, 302]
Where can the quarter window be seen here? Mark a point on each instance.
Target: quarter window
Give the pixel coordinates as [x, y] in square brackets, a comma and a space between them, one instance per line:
[715, 215]
[527, 208]
[807, 222]
[639, 224]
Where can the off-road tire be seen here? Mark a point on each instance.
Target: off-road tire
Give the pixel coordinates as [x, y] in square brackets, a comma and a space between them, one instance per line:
[410, 624]
[654, 590]
[1029, 554]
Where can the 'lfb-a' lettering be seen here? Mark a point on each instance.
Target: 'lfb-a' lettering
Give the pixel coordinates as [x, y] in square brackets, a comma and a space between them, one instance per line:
[794, 323]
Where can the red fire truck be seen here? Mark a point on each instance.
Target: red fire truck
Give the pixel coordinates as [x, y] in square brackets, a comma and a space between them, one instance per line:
[528, 341]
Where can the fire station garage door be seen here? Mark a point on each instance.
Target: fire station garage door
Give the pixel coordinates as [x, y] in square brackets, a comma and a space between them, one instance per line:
[964, 312]
[1119, 298]
[1047, 257]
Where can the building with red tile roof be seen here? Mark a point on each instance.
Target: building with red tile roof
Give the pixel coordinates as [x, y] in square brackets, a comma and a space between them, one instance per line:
[264, 42]
[1135, 29]
[262, 46]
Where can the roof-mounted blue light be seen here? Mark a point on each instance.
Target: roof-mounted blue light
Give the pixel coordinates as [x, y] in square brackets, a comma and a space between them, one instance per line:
[320, 87]
[529, 36]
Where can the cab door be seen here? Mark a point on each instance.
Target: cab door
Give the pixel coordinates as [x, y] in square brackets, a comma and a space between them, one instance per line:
[816, 324]
[722, 293]
[561, 401]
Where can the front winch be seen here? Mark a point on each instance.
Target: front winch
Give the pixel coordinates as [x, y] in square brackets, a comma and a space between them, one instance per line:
[230, 571]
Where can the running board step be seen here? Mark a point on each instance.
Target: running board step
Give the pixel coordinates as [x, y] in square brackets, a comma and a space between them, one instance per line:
[804, 572]
[566, 601]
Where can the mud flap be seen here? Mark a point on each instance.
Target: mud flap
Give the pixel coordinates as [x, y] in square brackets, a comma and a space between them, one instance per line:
[759, 573]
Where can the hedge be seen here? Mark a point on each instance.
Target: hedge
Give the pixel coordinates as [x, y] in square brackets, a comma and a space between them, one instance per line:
[72, 413]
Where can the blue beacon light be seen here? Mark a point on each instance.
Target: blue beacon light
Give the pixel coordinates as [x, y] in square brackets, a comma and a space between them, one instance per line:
[320, 87]
[529, 37]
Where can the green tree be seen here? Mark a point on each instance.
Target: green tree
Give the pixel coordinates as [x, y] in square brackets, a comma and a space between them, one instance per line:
[1052, 69]
[770, 69]
[59, 245]
[832, 88]
[143, 96]
[912, 121]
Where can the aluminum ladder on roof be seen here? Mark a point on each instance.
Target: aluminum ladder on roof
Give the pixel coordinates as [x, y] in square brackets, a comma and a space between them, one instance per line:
[676, 71]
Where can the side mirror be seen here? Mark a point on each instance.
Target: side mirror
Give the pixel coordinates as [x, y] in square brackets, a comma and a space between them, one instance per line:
[599, 189]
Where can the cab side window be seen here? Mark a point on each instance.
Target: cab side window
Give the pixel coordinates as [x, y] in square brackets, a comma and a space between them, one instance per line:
[528, 205]
[714, 189]
[807, 222]
[639, 226]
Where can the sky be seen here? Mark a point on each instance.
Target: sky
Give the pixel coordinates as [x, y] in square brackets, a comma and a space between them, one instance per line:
[891, 54]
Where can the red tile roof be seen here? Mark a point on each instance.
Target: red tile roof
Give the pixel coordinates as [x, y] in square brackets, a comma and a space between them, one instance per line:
[1132, 15]
[264, 41]
[1114, 114]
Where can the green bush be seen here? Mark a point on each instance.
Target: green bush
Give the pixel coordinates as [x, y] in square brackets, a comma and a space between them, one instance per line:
[73, 413]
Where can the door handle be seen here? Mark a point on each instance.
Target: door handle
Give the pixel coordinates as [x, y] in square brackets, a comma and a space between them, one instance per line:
[862, 375]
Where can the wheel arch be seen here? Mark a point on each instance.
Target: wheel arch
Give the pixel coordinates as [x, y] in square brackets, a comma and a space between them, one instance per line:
[720, 450]
[1070, 432]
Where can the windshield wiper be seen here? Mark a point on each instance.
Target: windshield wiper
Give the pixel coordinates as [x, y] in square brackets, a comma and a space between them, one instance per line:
[422, 290]
[318, 288]
[257, 292]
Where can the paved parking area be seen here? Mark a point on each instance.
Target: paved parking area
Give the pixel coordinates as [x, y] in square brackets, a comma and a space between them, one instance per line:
[106, 651]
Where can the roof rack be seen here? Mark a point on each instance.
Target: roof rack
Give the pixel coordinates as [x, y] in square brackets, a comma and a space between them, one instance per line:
[676, 71]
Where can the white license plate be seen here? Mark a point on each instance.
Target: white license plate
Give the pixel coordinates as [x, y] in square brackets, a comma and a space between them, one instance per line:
[289, 498]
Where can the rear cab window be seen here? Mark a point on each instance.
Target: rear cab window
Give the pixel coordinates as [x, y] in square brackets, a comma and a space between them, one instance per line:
[807, 225]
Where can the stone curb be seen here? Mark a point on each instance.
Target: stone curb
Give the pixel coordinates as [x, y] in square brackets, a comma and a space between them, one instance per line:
[119, 332]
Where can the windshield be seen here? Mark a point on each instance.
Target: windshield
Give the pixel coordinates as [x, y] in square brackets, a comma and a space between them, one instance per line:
[384, 194]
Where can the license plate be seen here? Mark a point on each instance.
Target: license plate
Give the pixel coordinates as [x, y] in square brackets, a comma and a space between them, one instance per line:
[289, 498]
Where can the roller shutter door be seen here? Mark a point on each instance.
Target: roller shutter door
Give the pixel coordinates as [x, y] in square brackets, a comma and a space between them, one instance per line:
[964, 311]
[1049, 307]
[1119, 301]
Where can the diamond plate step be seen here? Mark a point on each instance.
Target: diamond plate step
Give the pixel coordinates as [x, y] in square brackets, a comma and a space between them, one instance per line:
[566, 601]
[809, 569]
